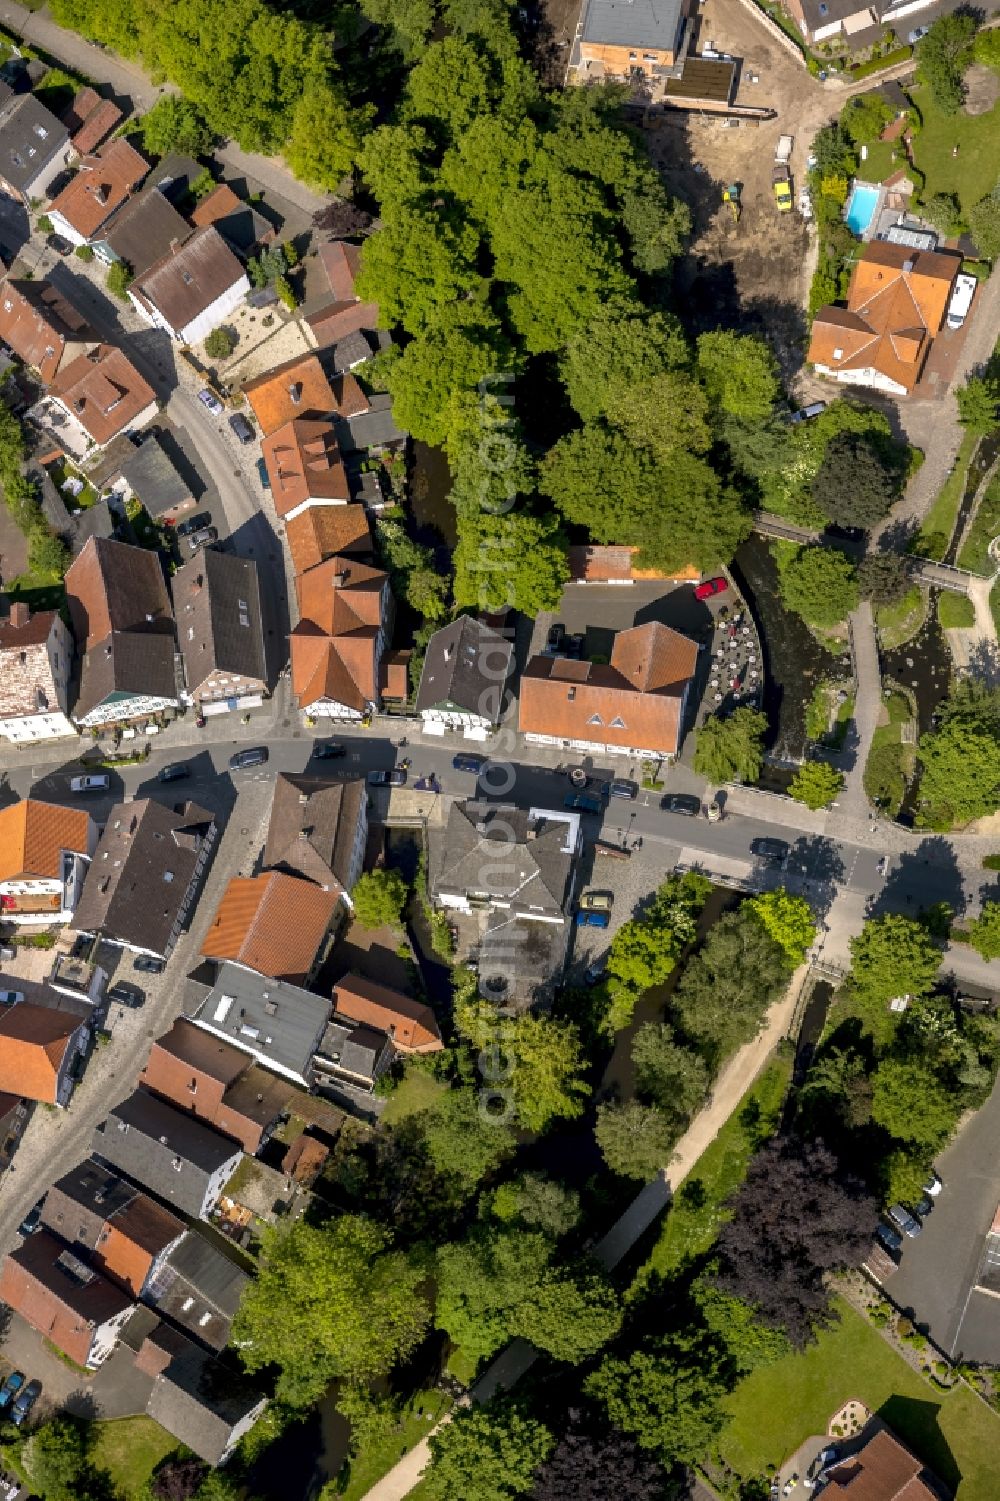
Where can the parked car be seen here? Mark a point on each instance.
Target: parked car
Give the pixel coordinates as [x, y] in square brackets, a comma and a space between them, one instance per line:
[587, 919]
[771, 851]
[59, 244]
[553, 641]
[889, 1239]
[597, 901]
[11, 997]
[394, 778]
[10, 1488]
[6, 952]
[961, 300]
[242, 427]
[10, 1388]
[708, 587]
[122, 993]
[806, 413]
[94, 782]
[681, 802]
[210, 400]
[29, 1224]
[149, 964]
[331, 751]
[933, 1186]
[194, 524]
[256, 755]
[923, 1207]
[464, 761]
[905, 1221]
[202, 537]
[175, 772]
[262, 475]
[582, 802]
[622, 787]
[25, 1402]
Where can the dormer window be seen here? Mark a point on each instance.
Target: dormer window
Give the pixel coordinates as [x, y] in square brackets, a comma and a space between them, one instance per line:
[618, 723]
[595, 719]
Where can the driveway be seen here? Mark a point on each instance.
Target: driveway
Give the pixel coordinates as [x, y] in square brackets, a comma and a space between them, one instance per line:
[115, 1390]
[938, 1270]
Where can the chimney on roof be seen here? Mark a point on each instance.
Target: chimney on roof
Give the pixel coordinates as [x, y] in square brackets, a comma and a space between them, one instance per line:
[102, 193]
[907, 266]
[295, 392]
[20, 613]
[340, 578]
[448, 651]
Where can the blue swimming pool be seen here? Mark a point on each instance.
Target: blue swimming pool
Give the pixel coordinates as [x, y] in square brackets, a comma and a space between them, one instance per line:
[861, 207]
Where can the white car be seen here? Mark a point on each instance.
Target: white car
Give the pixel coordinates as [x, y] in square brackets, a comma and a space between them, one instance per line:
[933, 1186]
[210, 400]
[99, 782]
[805, 204]
[961, 300]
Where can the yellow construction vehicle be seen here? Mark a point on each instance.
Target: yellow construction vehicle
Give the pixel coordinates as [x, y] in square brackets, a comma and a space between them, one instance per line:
[731, 195]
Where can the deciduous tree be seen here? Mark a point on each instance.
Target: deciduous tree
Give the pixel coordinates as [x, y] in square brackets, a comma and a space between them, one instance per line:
[725, 991]
[854, 486]
[619, 348]
[979, 402]
[789, 921]
[464, 1137]
[667, 1396]
[583, 1461]
[943, 55]
[911, 1103]
[379, 898]
[545, 1057]
[884, 577]
[960, 758]
[740, 374]
[984, 932]
[537, 1201]
[674, 1078]
[517, 560]
[636, 1141]
[819, 584]
[865, 118]
[324, 141]
[731, 749]
[816, 783]
[487, 1453]
[173, 124]
[892, 956]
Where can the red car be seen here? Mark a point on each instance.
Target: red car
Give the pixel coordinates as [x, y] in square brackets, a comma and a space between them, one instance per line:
[710, 587]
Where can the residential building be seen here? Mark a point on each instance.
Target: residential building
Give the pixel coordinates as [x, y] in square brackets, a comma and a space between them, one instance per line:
[300, 389]
[634, 706]
[883, 1470]
[321, 532]
[345, 610]
[305, 468]
[220, 629]
[41, 326]
[174, 176]
[624, 41]
[41, 1050]
[153, 479]
[273, 923]
[896, 303]
[36, 655]
[72, 524]
[244, 230]
[411, 1025]
[15, 1114]
[145, 874]
[145, 228]
[374, 428]
[63, 1299]
[34, 148]
[120, 612]
[463, 679]
[493, 856]
[348, 353]
[100, 187]
[179, 1159]
[91, 122]
[94, 398]
[78, 977]
[821, 20]
[45, 852]
[340, 312]
[198, 1288]
[318, 831]
[278, 1024]
[216, 1082]
[192, 289]
[118, 1231]
[352, 1055]
[257, 1195]
[204, 1404]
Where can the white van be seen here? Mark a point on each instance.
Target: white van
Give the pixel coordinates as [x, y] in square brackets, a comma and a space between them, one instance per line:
[961, 300]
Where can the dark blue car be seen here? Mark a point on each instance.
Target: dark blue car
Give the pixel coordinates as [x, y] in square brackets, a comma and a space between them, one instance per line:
[10, 1388]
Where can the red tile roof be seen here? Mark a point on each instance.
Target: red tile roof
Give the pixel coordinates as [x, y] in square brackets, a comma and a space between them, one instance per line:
[219, 204]
[882, 1471]
[102, 184]
[97, 125]
[37, 323]
[321, 532]
[34, 834]
[272, 923]
[299, 388]
[334, 646]
[103, 391]
[304, 463]
[413, 1026]
[34, 1041]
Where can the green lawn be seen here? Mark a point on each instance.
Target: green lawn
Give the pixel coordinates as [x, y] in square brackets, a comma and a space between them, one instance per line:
[973, 172]
[883, 159]
[416, 1090]
[975, 554]
[899, 622]
[891, 764]
[936, 530]
[693, 1219]
[774, 1410]
[130, 1449]
[379, 1458]
[42, 591]
[955, 611]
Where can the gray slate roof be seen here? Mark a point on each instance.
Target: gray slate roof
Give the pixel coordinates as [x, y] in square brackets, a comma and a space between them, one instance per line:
[495, 848]
[141, 871]
[632, 23]
[198, 1399]
[153, 478]
[199, 1288]
[155, 1136]
[182, 284]
[144, 228]
[349, 352]
[465, 667]
[356, 1050]
[218, 611]
[30, 139]
[173, 176]
[370, 428]
[287, 1022]
[124, 665]
[314, 823]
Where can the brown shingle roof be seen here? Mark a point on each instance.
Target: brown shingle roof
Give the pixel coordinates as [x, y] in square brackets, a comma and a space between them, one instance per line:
[34, 1041]
[99, 123]
[340, 261]
[314, 827]
[102, 184]
[272, 923]
[218, 204]
[113, 586]
[36, 1281]
[37, 323]
[186, 281]
[635, 701]
[299, 388]
[33, 836]
[882, 1471]
[103, 391]
[413, 1026]
[303, 462]
[321, 532]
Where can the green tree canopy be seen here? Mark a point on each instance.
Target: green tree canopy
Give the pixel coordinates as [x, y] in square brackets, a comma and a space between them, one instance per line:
[944, 212]
[463, 1138]
[636, 1141]
[324, 140]
[740, 374]
[725, 992]
[667, 1396]
[788, 919]
[752, 1344]
[884, 577]
[911, 1103]
[487, 1453]
[646, 948]
[308, 1310]
[174, 124]
[539, 1202]
[56, 1459]
[731, 749]
[943, 55]
[816, 783]
[979, 402]
[960, 759]
[671, 1075]
[893, 956]
[820, 584]
[854, 486]
[410, 21]
[517, 560]
[379, 898]
[620, 348]
[984, 932]
[865, 118]
[545, 1056]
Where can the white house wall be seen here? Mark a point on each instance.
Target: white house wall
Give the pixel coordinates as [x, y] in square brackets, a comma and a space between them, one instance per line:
[217, 312]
